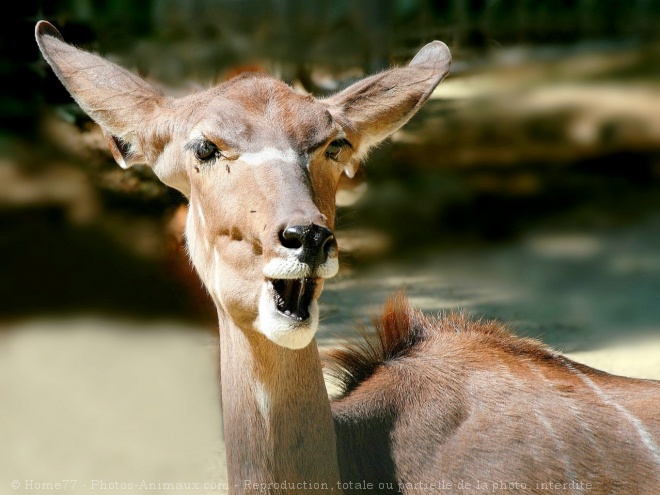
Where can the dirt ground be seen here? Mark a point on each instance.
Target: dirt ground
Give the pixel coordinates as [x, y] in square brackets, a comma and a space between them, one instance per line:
[111, 402]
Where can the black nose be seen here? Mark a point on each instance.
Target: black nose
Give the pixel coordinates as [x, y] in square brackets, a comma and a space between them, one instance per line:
[312, 243]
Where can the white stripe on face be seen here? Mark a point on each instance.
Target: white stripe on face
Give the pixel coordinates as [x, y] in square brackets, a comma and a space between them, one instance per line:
[268, 155]
[257, 157]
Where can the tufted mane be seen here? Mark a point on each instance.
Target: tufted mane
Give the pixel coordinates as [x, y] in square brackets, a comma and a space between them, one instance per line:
[401, 330]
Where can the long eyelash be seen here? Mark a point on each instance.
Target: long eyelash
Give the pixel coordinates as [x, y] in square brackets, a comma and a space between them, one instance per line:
[192, 145]
[344, 142]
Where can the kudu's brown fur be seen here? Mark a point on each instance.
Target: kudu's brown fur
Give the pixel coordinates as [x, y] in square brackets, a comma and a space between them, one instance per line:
[429, 405]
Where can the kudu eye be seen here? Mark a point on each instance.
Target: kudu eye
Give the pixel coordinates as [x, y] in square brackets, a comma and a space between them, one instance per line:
[334, 149]
[205, 151]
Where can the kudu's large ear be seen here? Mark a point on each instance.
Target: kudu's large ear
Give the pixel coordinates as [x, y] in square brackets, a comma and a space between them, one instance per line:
[376, 106]
[120, 102]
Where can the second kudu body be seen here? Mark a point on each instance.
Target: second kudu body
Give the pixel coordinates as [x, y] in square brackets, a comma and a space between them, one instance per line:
[442, 405]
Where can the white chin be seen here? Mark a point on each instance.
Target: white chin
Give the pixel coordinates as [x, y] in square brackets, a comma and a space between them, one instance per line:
[283, 330]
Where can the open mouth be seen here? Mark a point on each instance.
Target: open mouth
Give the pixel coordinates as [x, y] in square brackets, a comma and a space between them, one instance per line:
[293, 297]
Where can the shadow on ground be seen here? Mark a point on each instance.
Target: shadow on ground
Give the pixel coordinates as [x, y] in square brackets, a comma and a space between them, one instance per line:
[573, 290]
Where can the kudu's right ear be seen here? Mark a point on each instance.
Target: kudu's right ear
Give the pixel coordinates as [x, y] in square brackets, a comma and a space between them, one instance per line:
[376, 106]
[123, 104]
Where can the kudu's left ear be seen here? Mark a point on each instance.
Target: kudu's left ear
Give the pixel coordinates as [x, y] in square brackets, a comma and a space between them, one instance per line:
[120, 102]
[375, 107]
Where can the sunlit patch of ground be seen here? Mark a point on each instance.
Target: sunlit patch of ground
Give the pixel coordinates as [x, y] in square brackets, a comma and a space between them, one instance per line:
[108, 403]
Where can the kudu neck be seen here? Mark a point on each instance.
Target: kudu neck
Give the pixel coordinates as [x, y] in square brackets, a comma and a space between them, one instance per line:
[277, 417]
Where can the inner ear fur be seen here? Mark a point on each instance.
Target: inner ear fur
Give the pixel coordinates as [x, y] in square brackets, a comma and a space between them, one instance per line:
[122, 103]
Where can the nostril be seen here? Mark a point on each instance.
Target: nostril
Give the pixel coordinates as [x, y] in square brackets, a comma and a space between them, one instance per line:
[291, 238]
[329, 245]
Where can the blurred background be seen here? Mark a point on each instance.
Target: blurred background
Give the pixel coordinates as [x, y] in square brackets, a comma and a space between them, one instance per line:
[527, 189]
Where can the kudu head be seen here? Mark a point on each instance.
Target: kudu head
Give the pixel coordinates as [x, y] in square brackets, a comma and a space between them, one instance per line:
[259, 164]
